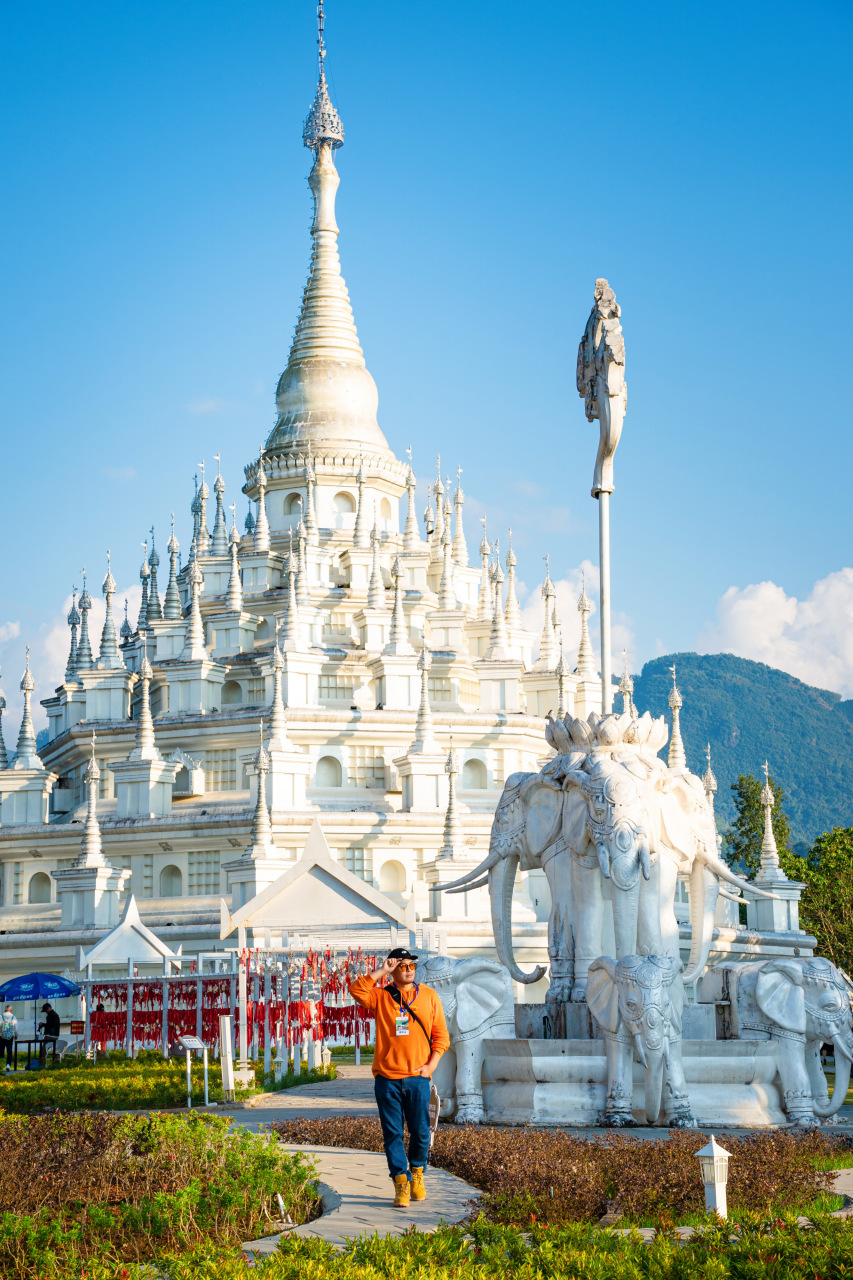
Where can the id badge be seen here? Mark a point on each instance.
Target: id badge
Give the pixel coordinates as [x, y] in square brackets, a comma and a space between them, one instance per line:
[402, 1024]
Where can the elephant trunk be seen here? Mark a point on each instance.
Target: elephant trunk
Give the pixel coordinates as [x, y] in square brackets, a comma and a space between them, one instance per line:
[654, 1084]
[842, 1080]
[501, 884]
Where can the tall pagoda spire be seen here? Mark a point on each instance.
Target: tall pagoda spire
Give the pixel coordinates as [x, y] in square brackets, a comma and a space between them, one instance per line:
[90, 854]
[424, 743]
[144, 575]
[626, 688]
[676, 759]
[27, 757]
[446, 590]
[770, 868]
[262, 843]
[586, 657]
[194, 647]
[453, 834]
[202, 543]
[376, 589]
[84, 644]
[74, 623]
[438, 526]
[262, 525]
[4, 759]
[512, 612]
[145, 747]
[219, 541]
[484, 600]
[360, 535]
[278, 739]
[234, 598]
[410, 533]
[310, 512]
[302, 593]
[109, 658]
[498, 646]
[172, 598]
[325, 395]
[547, 645]
[155, 611]
[398, 638]
[460, 547]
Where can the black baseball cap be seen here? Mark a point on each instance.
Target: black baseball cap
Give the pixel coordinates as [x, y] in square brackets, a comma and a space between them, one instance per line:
[401, 953]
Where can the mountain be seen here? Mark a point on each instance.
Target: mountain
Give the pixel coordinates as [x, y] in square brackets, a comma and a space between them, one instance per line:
[750, 713]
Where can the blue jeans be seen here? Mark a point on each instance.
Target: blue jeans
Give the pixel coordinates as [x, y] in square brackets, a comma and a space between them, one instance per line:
[400, 1100]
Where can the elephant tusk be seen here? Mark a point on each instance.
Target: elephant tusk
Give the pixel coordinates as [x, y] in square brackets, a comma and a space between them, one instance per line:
[641, 1050]
[645, 860]
[603, 860]
[466, 881]
[467, 886]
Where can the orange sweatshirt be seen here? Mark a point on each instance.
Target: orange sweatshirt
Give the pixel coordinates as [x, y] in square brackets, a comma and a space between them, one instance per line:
[396, 1057]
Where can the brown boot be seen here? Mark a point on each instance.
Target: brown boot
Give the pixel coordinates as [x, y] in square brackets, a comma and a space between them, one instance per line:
[401, 1191]
[418, 1188]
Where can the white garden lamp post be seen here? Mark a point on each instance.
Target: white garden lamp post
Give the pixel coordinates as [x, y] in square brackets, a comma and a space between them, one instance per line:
[714, 1164]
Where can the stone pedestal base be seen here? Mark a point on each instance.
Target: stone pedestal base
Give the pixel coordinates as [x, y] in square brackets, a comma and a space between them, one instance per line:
[563, 1082]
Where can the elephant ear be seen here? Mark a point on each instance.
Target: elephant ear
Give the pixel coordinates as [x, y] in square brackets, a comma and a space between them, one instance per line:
[478, 998]
[602, 994]
[676, 828]
[780, 996]
[544, 809]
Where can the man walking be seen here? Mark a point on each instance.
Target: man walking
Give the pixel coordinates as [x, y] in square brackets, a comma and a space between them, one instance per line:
[411, 1036]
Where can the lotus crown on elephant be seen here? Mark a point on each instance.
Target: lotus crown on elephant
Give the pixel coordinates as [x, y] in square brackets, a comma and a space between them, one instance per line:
[611, 827]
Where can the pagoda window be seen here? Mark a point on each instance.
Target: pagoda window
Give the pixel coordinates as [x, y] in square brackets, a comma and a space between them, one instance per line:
[343, 504]
[263, 632]
[474, 776]
[328, 772]
[385, 515]
[171, 882]
[232, 691]
[292, 504]
[392, 877]
[38, 890]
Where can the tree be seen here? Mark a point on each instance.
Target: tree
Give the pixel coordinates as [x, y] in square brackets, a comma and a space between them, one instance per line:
[742, 841]
[826, 907]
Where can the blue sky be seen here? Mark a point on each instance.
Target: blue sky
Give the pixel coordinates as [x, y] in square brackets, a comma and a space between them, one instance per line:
[154, 243]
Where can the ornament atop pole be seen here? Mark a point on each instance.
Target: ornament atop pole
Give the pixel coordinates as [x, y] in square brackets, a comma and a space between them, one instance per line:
[601, 382]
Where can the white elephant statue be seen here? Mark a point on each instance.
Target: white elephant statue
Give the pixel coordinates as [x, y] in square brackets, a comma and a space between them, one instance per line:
[605, 808]
[799, 1004]
[478, 999]
[638, 1004]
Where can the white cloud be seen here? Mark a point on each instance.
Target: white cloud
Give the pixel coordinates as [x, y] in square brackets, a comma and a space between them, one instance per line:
[568, 591]
[811, 638]
[9, 631]
[120, 473]
[208, 404]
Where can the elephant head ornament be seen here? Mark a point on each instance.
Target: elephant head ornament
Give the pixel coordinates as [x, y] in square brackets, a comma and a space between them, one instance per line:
[637, 1004]
[478, 1000]
[605, 811]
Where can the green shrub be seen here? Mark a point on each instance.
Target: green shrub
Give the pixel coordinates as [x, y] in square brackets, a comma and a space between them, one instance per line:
[120, 1189]
[119, 1083]
[551, 1176]
[773, 1250]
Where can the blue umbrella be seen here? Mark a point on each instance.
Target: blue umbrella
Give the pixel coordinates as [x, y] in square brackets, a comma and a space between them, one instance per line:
[37, 986]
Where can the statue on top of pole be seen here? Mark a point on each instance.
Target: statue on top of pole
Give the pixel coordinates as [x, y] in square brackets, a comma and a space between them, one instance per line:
[601, 380]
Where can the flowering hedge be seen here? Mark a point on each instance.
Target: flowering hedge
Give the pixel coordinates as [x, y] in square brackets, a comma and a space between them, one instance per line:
[551, 1176]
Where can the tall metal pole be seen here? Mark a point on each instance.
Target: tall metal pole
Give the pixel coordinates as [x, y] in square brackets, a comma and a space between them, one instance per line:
[604, 559]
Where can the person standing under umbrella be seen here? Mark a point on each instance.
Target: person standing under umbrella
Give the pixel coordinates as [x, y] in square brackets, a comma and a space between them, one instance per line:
[51, 1031]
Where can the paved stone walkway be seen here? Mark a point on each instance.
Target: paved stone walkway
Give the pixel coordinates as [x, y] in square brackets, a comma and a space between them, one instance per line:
[358, 1199]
